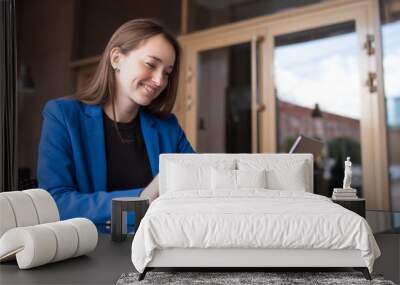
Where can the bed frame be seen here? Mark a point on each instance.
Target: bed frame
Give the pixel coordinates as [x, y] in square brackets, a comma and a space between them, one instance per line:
[256, 258]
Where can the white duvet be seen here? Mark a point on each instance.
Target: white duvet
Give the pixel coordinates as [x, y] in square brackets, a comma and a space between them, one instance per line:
[250, 219]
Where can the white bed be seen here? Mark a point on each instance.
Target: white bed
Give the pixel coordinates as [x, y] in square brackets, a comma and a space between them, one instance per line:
[247, 210]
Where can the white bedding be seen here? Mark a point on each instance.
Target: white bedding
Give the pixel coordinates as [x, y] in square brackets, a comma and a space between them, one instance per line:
[251, 218]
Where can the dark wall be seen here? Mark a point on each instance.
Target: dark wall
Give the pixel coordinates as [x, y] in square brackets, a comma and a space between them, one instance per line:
[96, 20]
[44, 40]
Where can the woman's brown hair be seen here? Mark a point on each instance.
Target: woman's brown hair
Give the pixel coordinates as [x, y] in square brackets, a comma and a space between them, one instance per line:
[128, 37]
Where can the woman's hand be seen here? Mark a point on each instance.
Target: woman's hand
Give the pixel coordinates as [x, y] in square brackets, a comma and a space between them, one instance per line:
[151, 192]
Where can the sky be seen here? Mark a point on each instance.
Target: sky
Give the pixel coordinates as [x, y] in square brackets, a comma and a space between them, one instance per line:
[326, 71]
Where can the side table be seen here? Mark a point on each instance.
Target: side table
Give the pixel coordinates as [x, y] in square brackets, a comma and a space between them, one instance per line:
[355, 205]
[120, 207]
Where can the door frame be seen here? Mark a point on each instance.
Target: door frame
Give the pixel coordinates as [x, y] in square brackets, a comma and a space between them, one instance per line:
[373, 124]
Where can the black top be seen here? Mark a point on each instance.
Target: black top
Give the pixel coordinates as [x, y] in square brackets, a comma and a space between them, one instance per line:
[127, 162]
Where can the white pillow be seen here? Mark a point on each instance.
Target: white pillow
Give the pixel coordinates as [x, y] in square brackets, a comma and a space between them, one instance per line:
[192, 175]
[293, 180]
[182, 177]
[236, 179]
[223, 179]
[281, 174]
[251, 178]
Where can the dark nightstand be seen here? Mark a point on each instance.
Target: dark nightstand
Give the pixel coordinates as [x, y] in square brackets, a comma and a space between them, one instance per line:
[355, 205]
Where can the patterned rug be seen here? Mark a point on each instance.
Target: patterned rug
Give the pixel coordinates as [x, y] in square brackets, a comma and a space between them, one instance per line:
[229, 278]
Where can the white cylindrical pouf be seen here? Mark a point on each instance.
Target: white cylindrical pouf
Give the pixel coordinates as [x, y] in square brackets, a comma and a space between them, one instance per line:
[87, 234]
[67, 239]
[7, 218]
[23, 208]
[45, 205]
[34, 245]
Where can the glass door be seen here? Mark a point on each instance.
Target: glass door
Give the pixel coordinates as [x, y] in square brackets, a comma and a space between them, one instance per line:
[320, 83]
[317, 79]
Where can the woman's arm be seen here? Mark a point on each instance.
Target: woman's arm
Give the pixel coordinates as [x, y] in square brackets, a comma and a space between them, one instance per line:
[151, 192]
[57, 173]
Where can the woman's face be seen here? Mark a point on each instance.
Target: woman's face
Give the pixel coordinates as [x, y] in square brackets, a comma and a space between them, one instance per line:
[144, 72]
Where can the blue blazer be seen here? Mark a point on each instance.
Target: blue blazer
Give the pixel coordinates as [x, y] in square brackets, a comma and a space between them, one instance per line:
[72, 161]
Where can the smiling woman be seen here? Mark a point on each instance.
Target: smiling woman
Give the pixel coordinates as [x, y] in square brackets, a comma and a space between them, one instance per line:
[104, 141]
[143, 74]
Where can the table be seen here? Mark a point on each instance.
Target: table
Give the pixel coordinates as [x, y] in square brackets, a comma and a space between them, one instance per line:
[104, 265]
